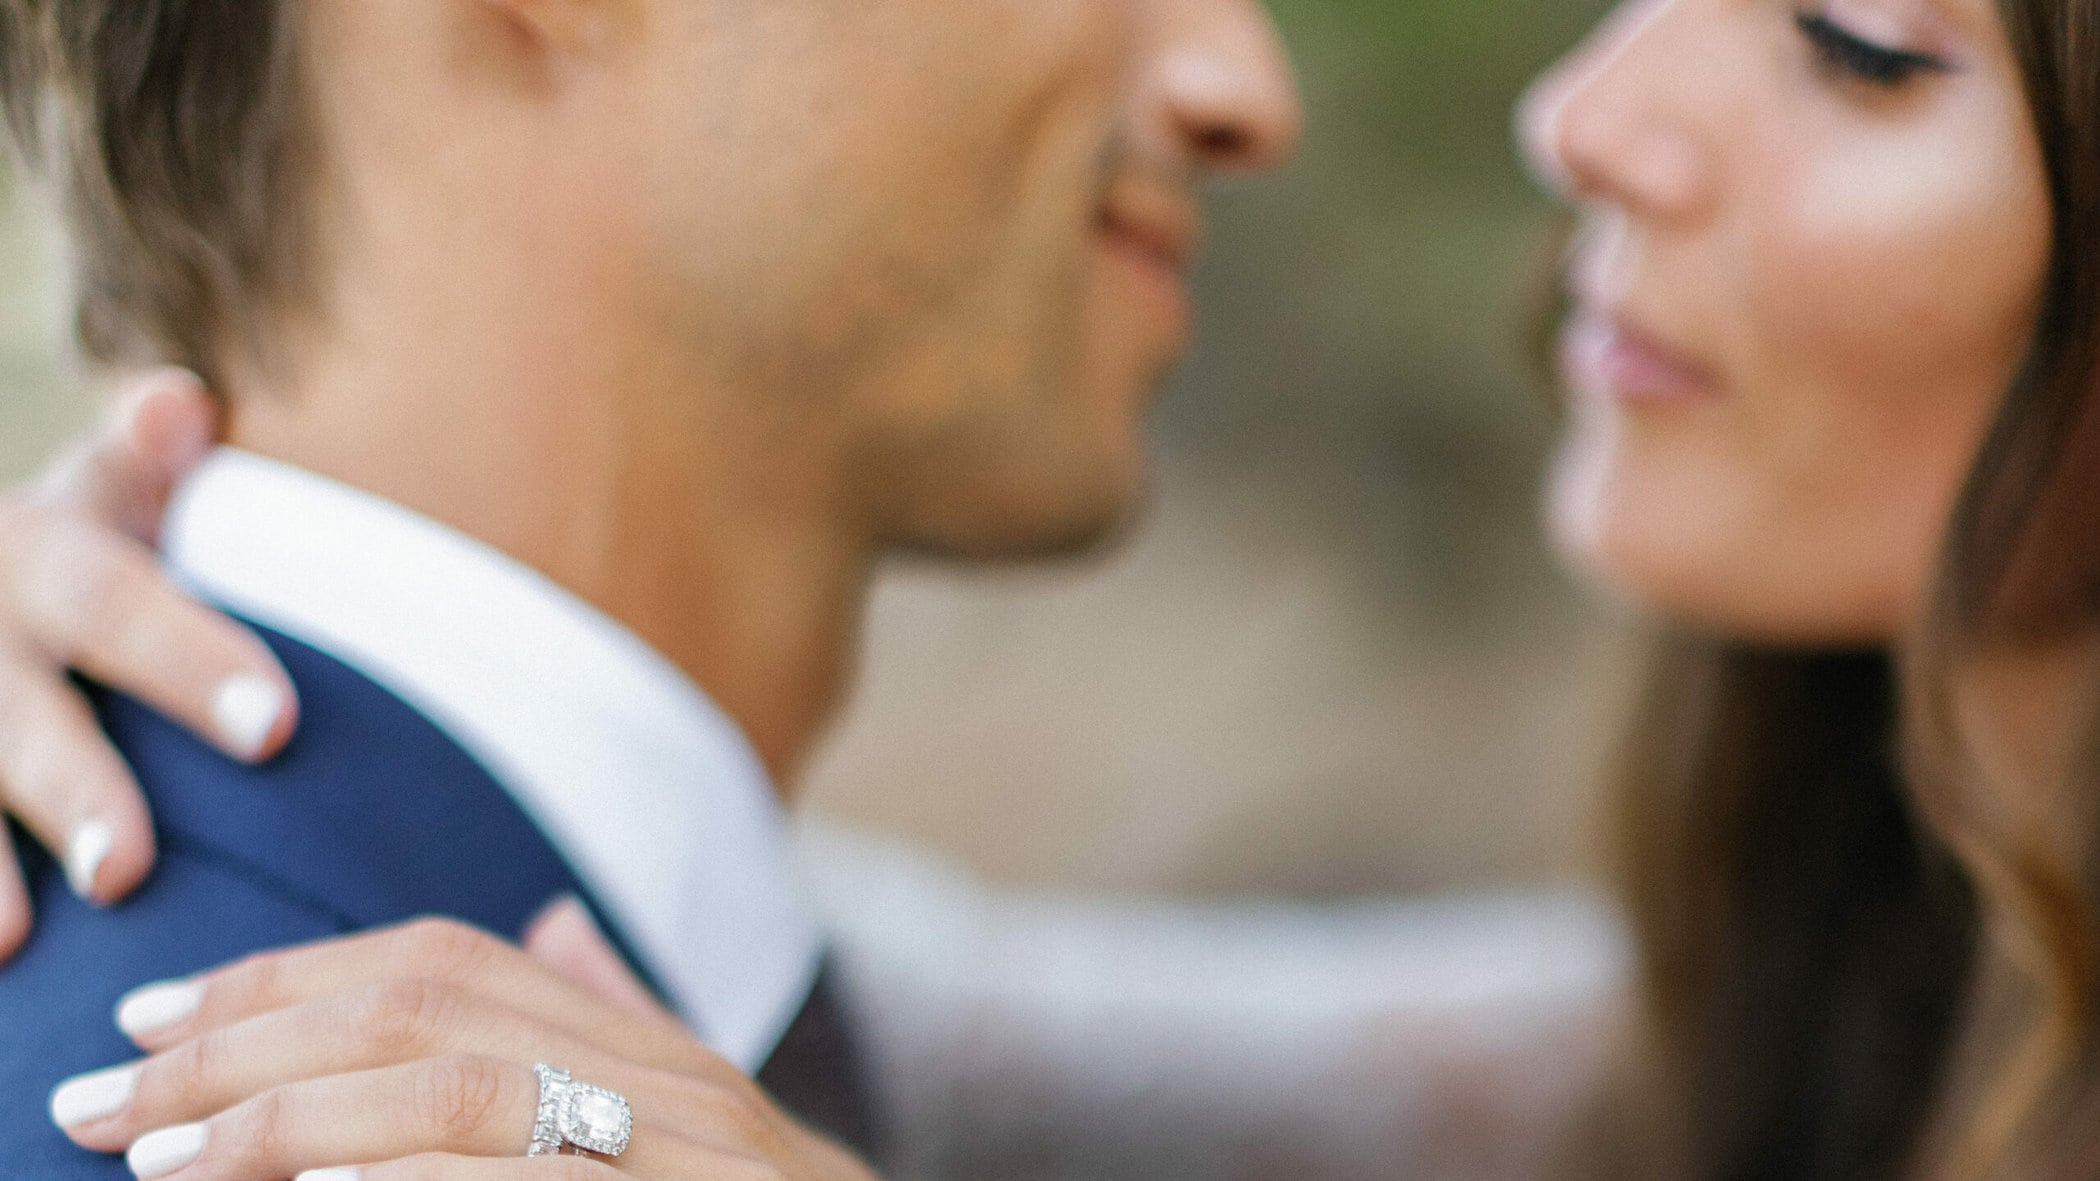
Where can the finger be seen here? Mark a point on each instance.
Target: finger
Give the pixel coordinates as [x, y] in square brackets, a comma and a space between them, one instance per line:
[448, 1167]
[566, 938]
[170, 426]
[475, 1106]
[15, 911]
[379, 1026]
[161, 423]
[160, 1015]
[61, 779]
[99, 602]
[701, 1166]
[462, 1104]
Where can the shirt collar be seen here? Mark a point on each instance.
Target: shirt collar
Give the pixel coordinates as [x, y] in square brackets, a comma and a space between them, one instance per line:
[645, 786]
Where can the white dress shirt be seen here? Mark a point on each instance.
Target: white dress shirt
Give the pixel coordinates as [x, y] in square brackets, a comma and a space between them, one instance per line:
[645, 786]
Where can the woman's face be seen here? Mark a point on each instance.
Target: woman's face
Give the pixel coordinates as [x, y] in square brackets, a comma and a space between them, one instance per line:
[1814, 234]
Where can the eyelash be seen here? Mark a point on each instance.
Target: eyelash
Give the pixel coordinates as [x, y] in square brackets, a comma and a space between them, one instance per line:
[1862, 59]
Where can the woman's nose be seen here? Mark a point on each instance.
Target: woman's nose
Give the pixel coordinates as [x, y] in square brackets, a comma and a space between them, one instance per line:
[1612, 123]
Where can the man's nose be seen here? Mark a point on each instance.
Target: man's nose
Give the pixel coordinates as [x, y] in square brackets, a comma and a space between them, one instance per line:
[1220, 88]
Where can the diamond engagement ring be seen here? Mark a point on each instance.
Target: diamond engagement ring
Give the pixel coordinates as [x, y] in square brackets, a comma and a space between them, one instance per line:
[578, 1115]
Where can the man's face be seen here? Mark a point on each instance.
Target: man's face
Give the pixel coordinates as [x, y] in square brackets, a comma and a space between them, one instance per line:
[946, 241]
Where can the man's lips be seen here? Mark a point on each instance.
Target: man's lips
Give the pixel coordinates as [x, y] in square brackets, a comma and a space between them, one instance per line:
[1165, 229]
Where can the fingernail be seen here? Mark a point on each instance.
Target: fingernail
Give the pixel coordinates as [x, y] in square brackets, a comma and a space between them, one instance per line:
[246, 709]
[85, 853]
[329, 1175]
[89, 1097]
[165, 1151]
[154, 1007]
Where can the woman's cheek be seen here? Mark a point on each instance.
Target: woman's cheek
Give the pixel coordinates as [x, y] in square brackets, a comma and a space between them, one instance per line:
[1886, 331]
[1895, 295]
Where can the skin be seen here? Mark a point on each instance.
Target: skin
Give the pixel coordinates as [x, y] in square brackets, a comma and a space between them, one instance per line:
[1800, 293]
[1853, 270]
[1839, 277]
[899, 276]
[413, 1046]
[705, 353]
[714, 385]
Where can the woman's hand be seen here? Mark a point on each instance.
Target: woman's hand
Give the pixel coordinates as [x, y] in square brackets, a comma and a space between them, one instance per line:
[81, 591]
[409, 1053]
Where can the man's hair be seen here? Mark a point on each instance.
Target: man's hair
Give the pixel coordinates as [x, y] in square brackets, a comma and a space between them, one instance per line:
[178, 138]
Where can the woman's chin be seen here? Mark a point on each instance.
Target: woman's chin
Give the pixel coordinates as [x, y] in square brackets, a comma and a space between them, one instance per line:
[1660, 549]
[1737, 602]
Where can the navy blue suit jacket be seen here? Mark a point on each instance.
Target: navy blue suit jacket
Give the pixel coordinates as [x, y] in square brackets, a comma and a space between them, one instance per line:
[371, 816]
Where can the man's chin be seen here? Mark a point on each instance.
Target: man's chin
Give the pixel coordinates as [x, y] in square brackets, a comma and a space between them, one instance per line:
[1075, 528]
[1087, 539]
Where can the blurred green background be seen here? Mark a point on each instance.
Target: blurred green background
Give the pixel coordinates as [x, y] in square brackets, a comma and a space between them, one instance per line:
[1338, 659]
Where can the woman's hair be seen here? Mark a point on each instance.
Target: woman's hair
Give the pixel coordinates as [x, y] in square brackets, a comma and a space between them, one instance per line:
[1805, 947]
[1868, 894]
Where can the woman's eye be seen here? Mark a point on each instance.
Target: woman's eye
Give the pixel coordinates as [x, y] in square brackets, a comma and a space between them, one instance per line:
[1860, 58]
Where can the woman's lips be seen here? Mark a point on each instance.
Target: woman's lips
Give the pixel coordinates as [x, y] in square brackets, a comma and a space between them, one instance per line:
[1610, 356]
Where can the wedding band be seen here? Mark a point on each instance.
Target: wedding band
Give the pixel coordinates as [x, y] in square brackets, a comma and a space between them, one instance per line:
[578, 1115]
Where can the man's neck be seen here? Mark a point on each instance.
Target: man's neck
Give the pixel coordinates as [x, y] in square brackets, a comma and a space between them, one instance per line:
[726, 554]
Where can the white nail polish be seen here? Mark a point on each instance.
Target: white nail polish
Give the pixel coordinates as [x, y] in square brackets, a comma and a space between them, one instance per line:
[246, 708]
[165, 1151]
[90, 1097]
[154, 1007]
[85, 853]
[345, 1174]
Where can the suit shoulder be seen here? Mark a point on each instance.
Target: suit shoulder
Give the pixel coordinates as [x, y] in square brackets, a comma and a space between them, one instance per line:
[60, 993]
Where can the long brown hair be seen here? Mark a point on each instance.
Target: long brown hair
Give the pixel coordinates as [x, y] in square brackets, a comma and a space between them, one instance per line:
[1869, 916]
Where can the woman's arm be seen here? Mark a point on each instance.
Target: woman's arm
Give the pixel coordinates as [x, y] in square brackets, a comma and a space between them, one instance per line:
[411, 1053]
[81, 592]
[1472, 1035]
